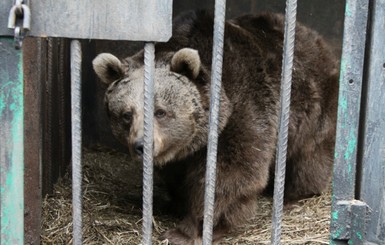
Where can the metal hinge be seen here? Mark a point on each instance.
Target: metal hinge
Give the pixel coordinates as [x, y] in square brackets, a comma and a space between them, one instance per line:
[348, 222]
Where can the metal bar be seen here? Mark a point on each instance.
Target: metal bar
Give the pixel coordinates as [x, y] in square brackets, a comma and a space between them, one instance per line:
[55, 112]
[349, 101]
[48, 139]
[359, 211]
[372, 190]
[215, 90]
[148, 167]
[11, 144]
[286, 76]
[76, 58]
[34, 70]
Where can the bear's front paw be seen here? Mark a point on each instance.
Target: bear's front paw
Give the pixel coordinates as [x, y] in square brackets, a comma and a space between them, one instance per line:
[177, 237]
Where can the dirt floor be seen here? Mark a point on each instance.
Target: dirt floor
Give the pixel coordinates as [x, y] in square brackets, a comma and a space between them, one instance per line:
[112, 186]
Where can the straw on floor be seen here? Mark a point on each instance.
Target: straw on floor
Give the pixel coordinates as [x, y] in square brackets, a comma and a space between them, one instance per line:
[112, 209]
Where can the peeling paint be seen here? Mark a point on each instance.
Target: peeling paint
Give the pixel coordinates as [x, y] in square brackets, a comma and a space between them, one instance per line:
[348, 12]
[335, 215]
[343, 103]
[351, 147]
[12, 142]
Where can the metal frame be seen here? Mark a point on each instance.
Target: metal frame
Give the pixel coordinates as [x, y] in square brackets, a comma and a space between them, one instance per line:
[98, 19]
[358, 200]
[372, 173]
[11, 143]
[351, 75]
[358, 149]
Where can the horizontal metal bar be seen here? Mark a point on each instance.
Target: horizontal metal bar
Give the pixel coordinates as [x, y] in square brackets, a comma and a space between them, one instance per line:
[138, 20]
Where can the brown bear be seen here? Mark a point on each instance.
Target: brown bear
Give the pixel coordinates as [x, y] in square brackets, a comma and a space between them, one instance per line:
[249, 111]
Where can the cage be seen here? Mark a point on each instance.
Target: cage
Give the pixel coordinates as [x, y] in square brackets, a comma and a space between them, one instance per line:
[47, 142]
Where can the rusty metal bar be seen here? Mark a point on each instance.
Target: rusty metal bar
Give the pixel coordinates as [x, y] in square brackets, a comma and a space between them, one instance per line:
[34, 73]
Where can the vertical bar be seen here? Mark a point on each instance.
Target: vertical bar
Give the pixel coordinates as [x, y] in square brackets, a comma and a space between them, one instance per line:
[11, 143]
[359, 211]
[286, 76]
[372, 190]
[76, 58]
[349, 101]
[48, 115]
[34, 70]
[216, 77]
[148, 167]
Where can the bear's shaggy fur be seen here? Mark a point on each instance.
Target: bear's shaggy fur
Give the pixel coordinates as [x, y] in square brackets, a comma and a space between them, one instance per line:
[248, 115]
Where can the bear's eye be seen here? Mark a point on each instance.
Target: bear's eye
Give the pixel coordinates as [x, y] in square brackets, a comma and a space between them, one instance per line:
[160, 113]
[127, 117]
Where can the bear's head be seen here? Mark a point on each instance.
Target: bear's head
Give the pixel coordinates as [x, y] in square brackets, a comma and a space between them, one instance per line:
[181, 102]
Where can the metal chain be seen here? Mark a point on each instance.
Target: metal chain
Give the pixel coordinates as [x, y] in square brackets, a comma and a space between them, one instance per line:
[76, 59]
[19, 19]
[286, 76]
[148, 167]
[19, 2]
[216, 76]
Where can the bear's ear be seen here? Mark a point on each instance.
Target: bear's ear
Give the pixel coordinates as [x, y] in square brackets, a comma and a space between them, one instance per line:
[187, 62]
[108, 68]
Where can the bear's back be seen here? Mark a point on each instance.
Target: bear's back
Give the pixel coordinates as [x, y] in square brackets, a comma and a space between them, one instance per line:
[251, 76]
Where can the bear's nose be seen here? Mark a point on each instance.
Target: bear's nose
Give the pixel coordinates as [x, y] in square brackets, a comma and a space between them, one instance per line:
[138, 147]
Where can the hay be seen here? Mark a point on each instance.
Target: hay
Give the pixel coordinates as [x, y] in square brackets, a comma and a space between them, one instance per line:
[112, 209]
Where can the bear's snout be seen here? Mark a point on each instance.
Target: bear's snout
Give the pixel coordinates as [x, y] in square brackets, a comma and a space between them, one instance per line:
[138, 147]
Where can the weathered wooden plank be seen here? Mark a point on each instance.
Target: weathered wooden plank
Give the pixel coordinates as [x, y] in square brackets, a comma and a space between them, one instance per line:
[137, 20]
[373, 162]
[352, 60]
[11, 144]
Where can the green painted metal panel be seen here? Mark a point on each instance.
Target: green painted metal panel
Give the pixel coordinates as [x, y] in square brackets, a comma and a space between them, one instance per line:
[11, 144]
[372, 189]
[350, 88]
